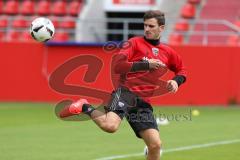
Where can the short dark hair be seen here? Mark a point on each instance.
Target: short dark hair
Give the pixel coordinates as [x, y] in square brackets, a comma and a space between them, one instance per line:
[155, 14]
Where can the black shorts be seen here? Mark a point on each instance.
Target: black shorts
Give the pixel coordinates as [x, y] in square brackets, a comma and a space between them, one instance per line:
[137, 112]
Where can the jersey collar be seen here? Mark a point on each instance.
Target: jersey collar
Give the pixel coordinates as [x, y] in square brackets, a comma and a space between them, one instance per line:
[154, 42]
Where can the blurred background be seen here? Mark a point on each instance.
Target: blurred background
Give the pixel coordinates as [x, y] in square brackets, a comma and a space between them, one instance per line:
[206, 33]
[189, 22]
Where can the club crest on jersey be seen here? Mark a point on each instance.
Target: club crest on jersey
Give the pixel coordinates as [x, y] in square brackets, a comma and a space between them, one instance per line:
[155, 51]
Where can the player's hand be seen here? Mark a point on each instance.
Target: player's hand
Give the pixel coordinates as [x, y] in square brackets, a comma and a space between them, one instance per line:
[155, 63]
[172, 86]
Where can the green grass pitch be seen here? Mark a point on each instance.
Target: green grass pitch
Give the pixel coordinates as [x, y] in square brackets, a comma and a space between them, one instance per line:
[33, 132]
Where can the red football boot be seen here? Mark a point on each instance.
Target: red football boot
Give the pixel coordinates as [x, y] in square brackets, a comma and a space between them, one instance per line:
[73, 109]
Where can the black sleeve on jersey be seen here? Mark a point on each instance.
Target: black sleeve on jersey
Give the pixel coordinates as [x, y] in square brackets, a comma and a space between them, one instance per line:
[180, 79]
[140, 66]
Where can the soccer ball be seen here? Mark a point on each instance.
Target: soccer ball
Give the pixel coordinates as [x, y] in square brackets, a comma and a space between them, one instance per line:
[42, 29]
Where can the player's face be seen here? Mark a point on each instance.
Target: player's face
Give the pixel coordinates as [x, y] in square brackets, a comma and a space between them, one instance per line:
[151, 29]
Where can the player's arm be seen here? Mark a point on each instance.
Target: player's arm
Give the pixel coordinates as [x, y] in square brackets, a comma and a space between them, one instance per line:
[180, 79]
[122, 64]
[176, 65]
[145, 65]
[173, 85]
[122, 61]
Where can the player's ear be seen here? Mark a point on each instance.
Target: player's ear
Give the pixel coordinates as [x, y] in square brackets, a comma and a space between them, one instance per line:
[162, 27]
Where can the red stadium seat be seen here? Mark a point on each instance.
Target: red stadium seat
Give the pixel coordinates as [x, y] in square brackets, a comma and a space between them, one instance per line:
[27, 7]
[182, 25]
[43, 8]
[13, 36]
[188, 11]
[176, 39]
[68, 23]
[233, 40]
[20, 22]
[1, 6]
[194, 1]
[61, 37]
[59, 8]
[11, 7]
[2, 36]
[33, 17]
[3, 22]
[74, 7]
[55, 21]
[26, 37]
[237, 23]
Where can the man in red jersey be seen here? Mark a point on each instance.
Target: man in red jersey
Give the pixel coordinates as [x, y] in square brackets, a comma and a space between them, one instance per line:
[140, 66]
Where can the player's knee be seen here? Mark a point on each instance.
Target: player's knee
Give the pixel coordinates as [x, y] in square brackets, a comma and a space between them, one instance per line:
[110, 128]
[154, 146]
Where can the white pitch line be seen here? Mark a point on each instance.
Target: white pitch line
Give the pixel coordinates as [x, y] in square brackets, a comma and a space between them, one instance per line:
[174, 149]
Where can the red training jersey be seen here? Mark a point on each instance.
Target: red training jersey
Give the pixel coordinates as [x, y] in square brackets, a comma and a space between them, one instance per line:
[145, 83]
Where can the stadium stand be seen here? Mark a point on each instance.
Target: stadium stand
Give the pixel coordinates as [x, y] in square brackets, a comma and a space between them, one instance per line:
[55, 21]
[44, 8]
[68, 23]
[233, 40]
[13, 36]
[74, 8]
[186, 26]
[175, 39]
[61, 37]
[229, 10]
[20, 22]
[217, 28]
[2, 35]
[188, 11]
[201, 22]
[16, 17]
[60, 8]
[26, 37]
[1, 7]
[3, 22]
[182, 25]
[27, 8]
[11, 7]
[194, 1]
[237, 22]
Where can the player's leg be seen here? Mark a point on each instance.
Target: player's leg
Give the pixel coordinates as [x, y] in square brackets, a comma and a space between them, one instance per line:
[149, 133]
[108, 120]
[142, 121]
[152, 140]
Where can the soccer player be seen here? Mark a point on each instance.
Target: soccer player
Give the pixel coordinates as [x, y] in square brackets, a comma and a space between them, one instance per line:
[140, 66]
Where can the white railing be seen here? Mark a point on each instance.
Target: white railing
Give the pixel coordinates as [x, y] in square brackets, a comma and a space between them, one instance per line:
[99, 34]
[205, 32]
